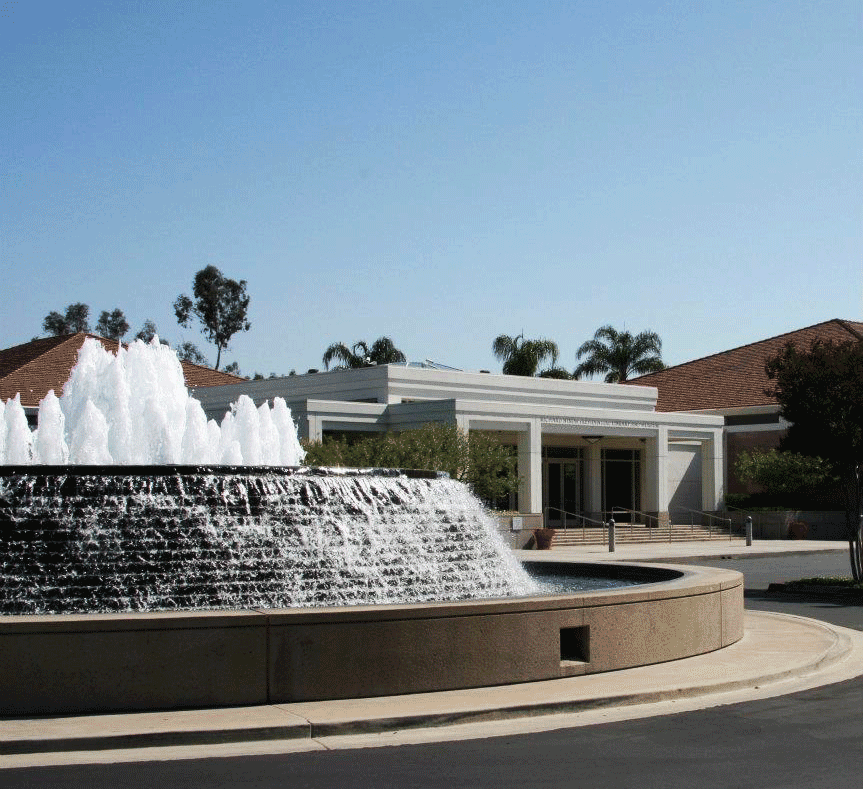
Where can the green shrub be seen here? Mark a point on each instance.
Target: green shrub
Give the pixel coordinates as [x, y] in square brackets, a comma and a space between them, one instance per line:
[784, 473]
[477, 458]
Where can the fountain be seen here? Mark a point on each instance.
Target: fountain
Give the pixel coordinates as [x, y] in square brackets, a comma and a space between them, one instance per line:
[150, 559]
[142, 520]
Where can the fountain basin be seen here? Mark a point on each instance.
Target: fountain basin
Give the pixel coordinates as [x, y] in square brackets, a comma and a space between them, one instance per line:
[78, 663]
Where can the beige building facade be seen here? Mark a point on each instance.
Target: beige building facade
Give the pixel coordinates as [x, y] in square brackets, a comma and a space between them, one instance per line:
[584, 448]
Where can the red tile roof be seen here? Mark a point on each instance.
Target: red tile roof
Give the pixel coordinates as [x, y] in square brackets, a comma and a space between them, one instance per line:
[736, 378]
[40, 365]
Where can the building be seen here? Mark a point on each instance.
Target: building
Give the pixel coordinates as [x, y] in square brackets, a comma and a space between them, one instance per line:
[733, 384]
[663, 443]
[37, 367]
[583, 447]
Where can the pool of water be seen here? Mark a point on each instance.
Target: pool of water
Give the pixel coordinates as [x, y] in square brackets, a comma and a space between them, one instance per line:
[562, 584]
[554, 578]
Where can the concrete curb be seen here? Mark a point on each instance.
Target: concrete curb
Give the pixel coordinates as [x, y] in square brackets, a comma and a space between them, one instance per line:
[821, 647]
[126, 740]
[838, 648]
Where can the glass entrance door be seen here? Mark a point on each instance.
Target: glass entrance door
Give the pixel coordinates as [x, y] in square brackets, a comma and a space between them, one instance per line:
[621, 481]
[563, 488]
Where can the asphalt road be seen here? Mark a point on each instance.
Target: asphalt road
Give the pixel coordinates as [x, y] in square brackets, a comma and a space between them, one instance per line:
[810, 739]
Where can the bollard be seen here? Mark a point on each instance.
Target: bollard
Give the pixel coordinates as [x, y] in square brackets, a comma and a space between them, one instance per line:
[749, 530]
[611, 535]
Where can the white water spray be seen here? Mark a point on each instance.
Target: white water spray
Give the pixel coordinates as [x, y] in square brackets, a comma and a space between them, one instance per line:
[133, 408]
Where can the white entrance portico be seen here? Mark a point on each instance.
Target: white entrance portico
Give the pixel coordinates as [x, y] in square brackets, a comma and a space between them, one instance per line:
[581, 445]
[588, 463]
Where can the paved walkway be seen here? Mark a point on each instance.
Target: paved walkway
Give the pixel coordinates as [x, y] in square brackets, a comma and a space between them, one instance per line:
[779, 654]
[669, 551]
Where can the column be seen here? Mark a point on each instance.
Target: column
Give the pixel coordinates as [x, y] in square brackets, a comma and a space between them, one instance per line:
[530, 468]
[656, 475]
[593, 486]
[712, 488]
[314, 429]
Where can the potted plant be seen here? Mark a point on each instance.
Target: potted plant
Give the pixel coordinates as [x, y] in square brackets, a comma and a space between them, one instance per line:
[798, 530]
[544, 538]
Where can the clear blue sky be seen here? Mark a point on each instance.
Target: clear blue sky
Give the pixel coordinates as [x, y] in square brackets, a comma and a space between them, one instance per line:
[439, 172]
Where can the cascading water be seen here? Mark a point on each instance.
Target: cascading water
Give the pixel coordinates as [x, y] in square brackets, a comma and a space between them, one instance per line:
[122, 536]
[243, 538]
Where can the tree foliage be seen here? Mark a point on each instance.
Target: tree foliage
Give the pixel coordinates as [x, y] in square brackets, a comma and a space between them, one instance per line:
[477, 458]
[147, 331]
[360, 354]
[556, 372]
[112, 325]
[220, 304]
[523, 357]
[74, 320]
[820, 392]
[618, 355]
[189, 352]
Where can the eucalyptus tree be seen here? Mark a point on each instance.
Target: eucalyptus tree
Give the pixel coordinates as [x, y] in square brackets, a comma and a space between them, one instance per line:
[147, 332]
[189, 352]
[523, 357]
[74, 320]
[112, 325]
[618, 355]
[220, 304]
[360, 354]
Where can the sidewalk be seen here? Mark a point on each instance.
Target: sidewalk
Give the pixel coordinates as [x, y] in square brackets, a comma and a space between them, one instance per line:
[670, 551]
[778, 654]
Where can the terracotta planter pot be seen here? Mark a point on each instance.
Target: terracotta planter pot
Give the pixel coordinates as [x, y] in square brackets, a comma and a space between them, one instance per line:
[798, 530]
[544, 538]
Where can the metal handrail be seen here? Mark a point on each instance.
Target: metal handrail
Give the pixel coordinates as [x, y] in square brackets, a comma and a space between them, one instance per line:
[583, 518]
[730, 507]
[646, 515]
[709, 515]
[578, 515]
[757, 518]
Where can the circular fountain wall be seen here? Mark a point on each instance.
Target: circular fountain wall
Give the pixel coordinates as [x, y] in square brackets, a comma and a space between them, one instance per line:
[260, 543]
[149, 661]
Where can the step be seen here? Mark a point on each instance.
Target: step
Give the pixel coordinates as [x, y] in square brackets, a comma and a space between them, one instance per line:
[640, 534]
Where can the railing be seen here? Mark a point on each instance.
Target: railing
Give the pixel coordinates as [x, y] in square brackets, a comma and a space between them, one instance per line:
[636, 517]
[721, 524]
[577, 515]
[761, 522]
[626, 529]
[743, 514]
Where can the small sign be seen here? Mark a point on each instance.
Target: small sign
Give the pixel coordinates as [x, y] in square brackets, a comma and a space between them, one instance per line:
[517, 522]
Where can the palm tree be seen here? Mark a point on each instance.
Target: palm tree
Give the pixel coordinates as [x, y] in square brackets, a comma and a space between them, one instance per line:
[382, 351]
[620, 354]
[523, 357]
[556, 372]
